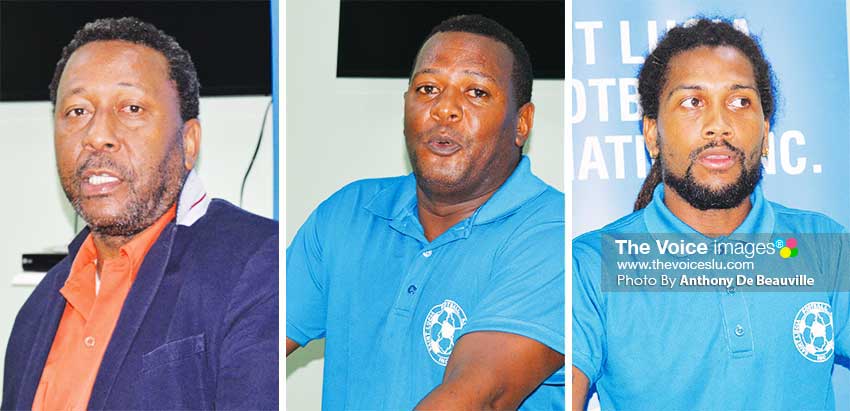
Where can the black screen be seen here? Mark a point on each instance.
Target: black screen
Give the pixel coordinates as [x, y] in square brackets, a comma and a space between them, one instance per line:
[230, 41]
[381, 38]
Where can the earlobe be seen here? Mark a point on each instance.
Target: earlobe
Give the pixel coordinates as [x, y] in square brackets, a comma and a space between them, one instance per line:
[525, 122]
[650, 136]
[191, 142]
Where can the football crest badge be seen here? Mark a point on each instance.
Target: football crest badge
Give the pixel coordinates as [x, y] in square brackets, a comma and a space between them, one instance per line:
[440, 329]
[814, 332]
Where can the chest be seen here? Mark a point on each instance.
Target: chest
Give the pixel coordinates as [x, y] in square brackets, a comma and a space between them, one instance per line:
[715, 344]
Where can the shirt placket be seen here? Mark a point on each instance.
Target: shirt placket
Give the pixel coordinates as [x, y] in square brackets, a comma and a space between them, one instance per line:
[417, 272]
[736, 319]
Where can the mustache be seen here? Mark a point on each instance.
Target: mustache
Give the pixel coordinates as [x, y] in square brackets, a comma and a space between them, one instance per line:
[723, 143]
[98, 161]
[439, 131]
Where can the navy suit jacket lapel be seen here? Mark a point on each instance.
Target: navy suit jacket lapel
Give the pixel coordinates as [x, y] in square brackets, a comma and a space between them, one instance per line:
[133, 312]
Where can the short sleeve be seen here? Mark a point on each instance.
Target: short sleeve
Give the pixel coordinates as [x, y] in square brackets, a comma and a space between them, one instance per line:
[306, 291]
[841, 299]
[588, 309]
[526, 294]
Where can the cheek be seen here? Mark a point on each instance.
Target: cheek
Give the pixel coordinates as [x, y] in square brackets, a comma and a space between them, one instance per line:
[66, 150]
[415, 115]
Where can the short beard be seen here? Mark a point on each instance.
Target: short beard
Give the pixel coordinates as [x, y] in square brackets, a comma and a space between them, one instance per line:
[142, 209]
[705, 198]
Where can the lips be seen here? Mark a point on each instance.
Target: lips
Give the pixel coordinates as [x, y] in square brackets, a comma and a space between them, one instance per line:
[442, 142]
[99, 182]
[718, 158]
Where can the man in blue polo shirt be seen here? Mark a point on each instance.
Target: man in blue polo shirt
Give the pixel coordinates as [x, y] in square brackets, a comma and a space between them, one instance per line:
[707, 100]
[443, 289]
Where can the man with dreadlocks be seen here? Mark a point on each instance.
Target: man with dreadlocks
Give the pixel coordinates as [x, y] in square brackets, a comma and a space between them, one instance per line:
[708, 101]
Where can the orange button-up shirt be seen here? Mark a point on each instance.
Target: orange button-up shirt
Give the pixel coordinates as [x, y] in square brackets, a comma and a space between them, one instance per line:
[89, 319]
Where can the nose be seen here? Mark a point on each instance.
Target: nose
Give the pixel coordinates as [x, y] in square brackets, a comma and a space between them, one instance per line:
[101, 135]
[717, 124]
[446, 107]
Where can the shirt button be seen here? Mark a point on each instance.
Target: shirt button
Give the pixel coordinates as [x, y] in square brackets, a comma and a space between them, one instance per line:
[730, 290]
[427, 253]
[411, 289]
[739, 330]
[89, 341]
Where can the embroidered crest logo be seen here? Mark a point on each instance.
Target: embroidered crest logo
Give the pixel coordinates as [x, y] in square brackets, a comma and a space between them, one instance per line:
[814, 332]
[440, 328]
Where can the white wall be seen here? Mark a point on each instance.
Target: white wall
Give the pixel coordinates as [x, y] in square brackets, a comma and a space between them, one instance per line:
[38, 217]
[341, 130]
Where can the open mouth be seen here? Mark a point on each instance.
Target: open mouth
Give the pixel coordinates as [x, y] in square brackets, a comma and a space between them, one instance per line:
[99, 183]
[718, 158]
[442, 142]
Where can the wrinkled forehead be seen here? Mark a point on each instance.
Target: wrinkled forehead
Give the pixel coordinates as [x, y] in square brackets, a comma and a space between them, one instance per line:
[466, 51]
[115, 61]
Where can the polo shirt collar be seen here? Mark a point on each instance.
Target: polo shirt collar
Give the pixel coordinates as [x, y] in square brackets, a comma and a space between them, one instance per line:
[398, 201]
[659, 218]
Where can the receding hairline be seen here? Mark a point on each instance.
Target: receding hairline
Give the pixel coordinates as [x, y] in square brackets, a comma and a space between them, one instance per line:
[163, 62]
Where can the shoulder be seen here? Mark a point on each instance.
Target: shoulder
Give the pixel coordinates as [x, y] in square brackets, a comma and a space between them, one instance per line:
[362, 192]
[226, 239]
[804, 221]
[549, 204]
[631, 223]
[351, 203]
[223, 214]
[231, 226]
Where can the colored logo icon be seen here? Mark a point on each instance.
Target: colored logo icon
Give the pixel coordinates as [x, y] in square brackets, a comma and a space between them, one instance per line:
[787, 248]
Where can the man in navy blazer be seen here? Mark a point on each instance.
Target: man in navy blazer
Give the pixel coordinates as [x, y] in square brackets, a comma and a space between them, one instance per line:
[197, 325]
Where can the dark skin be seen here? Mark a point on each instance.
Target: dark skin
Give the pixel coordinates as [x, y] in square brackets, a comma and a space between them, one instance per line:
[464, 134]
[710, 95]
[462, 128]
[119, 138]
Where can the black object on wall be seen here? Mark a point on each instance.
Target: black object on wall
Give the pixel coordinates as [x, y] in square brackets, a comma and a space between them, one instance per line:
[230, 41]
[381, 38]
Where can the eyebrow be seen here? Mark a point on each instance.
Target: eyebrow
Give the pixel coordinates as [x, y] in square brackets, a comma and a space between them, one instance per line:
[733, 87]
[471, 72]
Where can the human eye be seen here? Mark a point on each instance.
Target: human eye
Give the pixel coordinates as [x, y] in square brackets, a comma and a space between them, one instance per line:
[477, 93]
[132, 109]
[692, 102]
[76, 112]
[427, 89]
[740, 102]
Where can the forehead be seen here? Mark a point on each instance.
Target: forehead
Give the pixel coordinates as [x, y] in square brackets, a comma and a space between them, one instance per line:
[462, 51]
[115, 62]
[706, 66]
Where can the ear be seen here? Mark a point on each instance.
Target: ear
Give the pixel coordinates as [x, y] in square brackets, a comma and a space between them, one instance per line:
[650, 136]
[525, 121]
[191, 142]
[765, 143]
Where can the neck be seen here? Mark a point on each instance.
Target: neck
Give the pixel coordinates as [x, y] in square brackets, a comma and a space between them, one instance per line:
[440, 210]
[711, 223]
[437, 214]
[108, 247]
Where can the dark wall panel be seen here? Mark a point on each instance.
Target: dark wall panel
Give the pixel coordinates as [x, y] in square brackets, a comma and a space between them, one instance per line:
[381, 38]
[230, 41]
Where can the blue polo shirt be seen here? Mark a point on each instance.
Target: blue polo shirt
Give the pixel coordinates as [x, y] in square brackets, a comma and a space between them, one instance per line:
[391, 305]
[710, 350]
